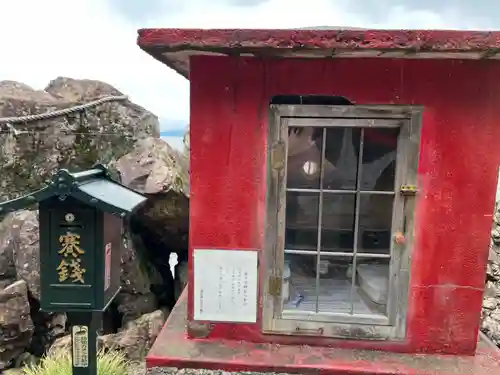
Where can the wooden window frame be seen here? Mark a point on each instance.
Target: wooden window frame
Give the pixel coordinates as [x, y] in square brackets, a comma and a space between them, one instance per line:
[366, 327]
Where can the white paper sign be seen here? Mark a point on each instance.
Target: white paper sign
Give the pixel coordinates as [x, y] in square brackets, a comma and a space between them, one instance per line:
[225, 285]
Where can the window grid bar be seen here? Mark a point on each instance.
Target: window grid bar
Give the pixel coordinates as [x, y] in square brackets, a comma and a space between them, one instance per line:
[320, 214]
[329, 191]
[358, 193]
[337, 254]
[356, 217]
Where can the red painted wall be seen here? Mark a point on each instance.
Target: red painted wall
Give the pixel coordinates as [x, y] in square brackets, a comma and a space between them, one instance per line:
[457, 174]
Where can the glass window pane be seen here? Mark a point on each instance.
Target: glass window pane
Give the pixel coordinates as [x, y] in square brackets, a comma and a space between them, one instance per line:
[347, 283]
[301, 225]
[299, 283]
[341, 164]
[371, 286]
[379, 159]
[337, 227]
[304, 158]
[375, 221]
[335, 285]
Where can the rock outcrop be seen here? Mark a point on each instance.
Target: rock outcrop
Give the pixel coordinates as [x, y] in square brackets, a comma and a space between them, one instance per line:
[161, 226]
[491, 302]
[124, 137]
[7, 267]
[133, 341]
[135, 297]
[30, 152]
[186, 142]
[16, 326]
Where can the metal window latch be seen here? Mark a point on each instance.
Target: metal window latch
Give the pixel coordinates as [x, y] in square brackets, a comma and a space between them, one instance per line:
[408, 190]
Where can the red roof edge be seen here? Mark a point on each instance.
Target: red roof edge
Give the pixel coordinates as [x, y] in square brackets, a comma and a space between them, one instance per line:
[157, 42]
[429, 40]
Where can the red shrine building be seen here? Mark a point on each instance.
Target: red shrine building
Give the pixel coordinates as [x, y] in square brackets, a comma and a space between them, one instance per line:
[342, 191]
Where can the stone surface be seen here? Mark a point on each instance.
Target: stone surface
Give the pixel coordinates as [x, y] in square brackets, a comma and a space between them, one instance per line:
[16, 326]
[187, 144]
[134, 340]
[7, 267]
[26, 252]
[137, 337]
[490, 324]
[153, 167]
[31, 152]
[125, 137]
[161, 226]
[181, 277]
[135, 297]
[19, 241]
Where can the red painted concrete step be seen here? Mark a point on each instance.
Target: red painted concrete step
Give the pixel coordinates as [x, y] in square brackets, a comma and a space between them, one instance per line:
[173, 349]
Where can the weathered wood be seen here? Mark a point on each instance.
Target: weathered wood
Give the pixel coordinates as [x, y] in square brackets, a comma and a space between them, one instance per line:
[300, 122]
[271, 235]
[349, 111]
[367, 327]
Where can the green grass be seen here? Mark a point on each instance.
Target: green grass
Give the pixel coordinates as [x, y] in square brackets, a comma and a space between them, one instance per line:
[58, 362]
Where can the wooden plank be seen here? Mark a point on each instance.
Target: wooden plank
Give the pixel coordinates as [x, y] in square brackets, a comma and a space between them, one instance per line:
[271, 234]
[336, 317]
[334, 330]
[349, 111]
[406, 173]
[393, 305]
[301, 122]
[281, 217]
[412, 155]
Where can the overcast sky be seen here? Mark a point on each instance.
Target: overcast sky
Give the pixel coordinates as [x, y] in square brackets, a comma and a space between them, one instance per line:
[43, 39]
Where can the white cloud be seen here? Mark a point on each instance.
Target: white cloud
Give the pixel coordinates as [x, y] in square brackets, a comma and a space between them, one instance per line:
[86, 39]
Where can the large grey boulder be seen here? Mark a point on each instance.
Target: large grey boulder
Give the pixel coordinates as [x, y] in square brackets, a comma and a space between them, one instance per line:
[7, 266]
[135, 297]
[16, 326]
[154, 167]
[19, 242]
[30, 152]
[160, 227]
[133, 341]
[124, 137]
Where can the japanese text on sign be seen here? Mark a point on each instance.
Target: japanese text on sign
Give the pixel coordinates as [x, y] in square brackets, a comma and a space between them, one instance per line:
[233, 295]
[80, 344]
[70, 267]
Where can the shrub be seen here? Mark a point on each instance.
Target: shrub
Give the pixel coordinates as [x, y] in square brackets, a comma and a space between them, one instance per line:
[58, 362]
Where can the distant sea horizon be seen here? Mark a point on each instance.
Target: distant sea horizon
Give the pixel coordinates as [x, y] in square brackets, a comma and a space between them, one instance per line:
[174, 138]
[173, 133]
